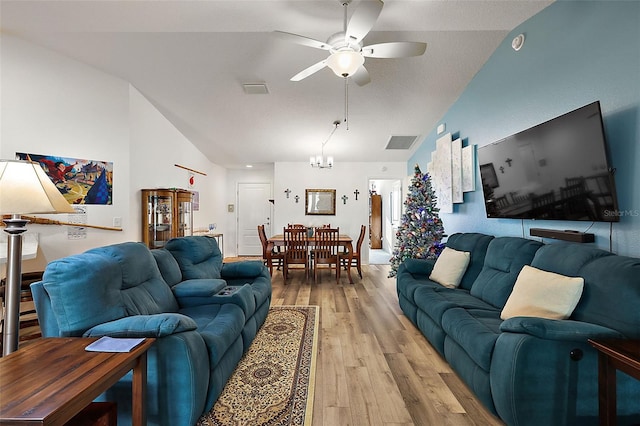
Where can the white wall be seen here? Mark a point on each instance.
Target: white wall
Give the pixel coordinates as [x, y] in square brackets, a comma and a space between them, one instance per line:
[156, 146]
[235, 177]
[54, 105]
[345, 178]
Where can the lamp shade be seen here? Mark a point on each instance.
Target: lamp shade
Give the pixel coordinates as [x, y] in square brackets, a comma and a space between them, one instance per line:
[345, 63]
[26, 188]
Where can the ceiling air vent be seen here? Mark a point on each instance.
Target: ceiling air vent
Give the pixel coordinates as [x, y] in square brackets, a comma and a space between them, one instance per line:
[401, 142]
[255, 88]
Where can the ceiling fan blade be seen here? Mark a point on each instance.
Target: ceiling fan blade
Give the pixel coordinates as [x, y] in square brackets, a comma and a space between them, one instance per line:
[396, 49]
[305, 41]
[363, 19]
[308, 71]
[361, 76]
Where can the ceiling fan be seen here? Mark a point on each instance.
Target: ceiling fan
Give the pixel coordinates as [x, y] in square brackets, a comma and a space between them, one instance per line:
[347, 52]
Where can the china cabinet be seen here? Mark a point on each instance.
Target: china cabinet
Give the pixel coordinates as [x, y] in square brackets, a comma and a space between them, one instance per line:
[375, 221]
[166, 214]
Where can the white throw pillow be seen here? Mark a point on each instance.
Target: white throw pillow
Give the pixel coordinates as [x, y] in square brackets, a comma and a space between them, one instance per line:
[450, 267]
[543, 294]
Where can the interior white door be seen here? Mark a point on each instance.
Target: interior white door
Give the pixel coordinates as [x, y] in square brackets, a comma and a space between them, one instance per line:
[254, 209]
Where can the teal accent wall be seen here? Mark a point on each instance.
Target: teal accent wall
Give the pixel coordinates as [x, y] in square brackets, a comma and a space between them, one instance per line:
[575, 52]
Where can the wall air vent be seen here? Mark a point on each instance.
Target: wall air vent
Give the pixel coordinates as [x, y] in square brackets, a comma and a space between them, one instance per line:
[400, 142]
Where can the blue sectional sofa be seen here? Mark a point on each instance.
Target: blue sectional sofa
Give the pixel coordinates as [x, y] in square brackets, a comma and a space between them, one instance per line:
[528, 370]
[203, 313]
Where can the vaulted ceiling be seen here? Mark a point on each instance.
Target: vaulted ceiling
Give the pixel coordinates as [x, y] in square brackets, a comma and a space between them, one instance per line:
[191, 59]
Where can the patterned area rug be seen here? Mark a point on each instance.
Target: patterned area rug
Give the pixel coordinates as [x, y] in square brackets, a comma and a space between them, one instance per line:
[273, 383]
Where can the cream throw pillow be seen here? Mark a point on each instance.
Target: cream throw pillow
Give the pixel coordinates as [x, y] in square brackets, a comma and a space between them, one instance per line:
[450, 267]
[543, 294]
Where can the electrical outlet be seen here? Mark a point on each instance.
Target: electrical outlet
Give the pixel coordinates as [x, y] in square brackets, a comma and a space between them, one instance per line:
[117, 222]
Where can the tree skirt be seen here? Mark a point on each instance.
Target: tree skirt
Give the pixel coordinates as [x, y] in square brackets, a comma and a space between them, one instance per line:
[273, 383]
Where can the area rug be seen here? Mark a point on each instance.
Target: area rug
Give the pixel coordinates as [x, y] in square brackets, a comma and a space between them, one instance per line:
[274, 381]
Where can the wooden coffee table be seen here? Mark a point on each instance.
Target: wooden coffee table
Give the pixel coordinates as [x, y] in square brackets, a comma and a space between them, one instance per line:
[623, 355]
[51, 380]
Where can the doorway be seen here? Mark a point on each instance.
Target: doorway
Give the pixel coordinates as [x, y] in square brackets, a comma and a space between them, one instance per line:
[387, 192]
[254, 208]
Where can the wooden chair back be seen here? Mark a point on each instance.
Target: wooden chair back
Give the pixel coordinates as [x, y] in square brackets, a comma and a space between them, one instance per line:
[326, 250]
[296, 226]
[356, 256]
[263, 240]
[326, 242]
[275, 255]
[296, 249]
[363, 233]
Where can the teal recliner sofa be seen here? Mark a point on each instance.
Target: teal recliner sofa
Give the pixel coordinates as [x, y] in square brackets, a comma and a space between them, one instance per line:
[528, 370]
[203, 313]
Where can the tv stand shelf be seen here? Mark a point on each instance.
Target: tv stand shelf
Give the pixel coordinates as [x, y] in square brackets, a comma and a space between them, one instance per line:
[566, 235]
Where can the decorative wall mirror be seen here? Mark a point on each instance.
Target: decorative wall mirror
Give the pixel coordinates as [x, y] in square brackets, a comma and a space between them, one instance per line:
[320, 202]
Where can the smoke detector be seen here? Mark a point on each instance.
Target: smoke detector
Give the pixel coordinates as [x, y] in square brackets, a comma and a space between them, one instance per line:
[517, 42]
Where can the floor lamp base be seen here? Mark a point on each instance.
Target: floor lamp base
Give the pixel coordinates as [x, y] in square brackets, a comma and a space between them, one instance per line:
[14, 227]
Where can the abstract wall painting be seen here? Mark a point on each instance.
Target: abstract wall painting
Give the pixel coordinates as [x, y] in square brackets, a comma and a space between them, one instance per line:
[456, 171]
[452, 171]
[442, 174]
[80, 181]
[468, 168]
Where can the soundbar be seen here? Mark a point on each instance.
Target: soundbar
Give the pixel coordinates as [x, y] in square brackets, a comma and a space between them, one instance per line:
[567, 235]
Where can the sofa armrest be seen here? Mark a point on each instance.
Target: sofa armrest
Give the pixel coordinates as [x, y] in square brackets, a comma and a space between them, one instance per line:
[202, 287]
[419, 266]
[158, 325]
[558, 329]
[242, 296]
[245, 269]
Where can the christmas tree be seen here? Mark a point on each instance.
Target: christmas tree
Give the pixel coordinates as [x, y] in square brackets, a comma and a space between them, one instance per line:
[420, 233]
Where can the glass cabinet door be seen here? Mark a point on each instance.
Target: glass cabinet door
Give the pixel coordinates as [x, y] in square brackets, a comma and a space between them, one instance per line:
[158, 226]
[185, 213]
[166, 214]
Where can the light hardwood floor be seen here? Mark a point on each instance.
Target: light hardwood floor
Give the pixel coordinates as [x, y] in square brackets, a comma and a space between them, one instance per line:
[374, 367]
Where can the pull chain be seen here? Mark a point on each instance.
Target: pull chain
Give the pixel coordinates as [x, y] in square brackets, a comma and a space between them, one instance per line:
[346, 102]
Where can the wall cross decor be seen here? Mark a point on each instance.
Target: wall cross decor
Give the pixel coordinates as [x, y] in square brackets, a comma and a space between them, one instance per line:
[356, 192]
[287, 191]
[344, 199]
[297, 197]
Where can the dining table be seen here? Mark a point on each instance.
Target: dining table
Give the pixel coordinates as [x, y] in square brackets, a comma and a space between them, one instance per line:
[344, 241]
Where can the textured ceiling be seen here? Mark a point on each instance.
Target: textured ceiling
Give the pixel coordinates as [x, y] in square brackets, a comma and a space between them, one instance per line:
[191, 59]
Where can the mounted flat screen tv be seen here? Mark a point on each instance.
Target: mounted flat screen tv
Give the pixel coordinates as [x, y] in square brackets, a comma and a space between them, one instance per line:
[557, 170]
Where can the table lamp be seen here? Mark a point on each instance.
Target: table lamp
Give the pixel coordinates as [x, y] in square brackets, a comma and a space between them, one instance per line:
[24, 188]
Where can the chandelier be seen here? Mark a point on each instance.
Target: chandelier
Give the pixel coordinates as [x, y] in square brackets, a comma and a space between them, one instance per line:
[319, 161]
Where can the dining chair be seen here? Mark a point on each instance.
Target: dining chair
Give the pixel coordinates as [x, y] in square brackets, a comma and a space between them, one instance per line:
[296, 250]
[296, 226]
[543, 205]
[356, 256]
[325, 250]
[275, 255]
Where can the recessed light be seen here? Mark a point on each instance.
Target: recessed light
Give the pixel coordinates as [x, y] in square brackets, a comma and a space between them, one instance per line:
[249, 166]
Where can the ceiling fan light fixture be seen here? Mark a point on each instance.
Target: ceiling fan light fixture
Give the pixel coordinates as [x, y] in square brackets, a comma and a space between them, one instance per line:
[345, 63]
